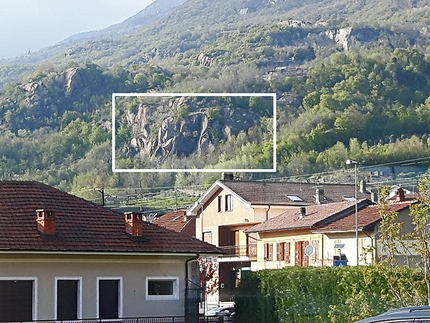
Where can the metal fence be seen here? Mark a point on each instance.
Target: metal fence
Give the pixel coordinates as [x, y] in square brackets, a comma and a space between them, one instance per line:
[158, 319]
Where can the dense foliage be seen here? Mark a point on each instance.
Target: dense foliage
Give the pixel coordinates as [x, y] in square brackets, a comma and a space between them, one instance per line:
[369, 103]
[323, 294]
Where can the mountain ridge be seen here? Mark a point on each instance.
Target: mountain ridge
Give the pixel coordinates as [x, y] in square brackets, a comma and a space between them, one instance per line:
[346, 89]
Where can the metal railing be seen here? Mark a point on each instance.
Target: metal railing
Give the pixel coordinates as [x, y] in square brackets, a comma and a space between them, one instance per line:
[240, 251]
[157, 319]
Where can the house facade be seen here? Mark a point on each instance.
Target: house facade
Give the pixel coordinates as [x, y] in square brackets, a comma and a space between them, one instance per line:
[64, 258]
[229, 208]
[322, 235]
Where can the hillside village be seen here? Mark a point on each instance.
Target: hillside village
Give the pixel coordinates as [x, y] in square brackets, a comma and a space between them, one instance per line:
[233, 228]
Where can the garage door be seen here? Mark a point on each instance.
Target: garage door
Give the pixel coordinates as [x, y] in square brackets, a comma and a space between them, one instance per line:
[16, 300]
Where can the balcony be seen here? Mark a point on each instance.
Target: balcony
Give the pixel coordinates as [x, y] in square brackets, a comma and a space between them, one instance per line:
[249, 251]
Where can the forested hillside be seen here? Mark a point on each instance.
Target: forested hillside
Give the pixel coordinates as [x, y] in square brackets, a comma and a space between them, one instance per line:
[352, 80]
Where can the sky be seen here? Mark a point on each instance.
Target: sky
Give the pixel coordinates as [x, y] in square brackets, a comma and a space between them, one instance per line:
[30, 25]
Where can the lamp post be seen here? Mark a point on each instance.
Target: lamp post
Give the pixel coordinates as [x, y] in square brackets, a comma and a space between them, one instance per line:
[354, 162]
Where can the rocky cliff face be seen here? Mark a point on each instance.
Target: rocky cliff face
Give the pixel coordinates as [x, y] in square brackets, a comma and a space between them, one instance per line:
[182, 127]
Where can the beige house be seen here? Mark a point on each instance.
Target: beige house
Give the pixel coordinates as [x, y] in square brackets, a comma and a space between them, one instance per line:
[229, 208]
[64, 258]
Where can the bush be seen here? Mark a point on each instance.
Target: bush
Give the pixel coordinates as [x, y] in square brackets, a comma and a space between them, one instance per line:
[321, 294]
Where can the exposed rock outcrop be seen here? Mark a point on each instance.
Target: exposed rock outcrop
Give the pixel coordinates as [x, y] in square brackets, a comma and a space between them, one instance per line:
[181, 127]
[341, 36]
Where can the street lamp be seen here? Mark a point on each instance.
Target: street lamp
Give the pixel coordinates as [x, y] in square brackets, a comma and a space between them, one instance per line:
[349, 162]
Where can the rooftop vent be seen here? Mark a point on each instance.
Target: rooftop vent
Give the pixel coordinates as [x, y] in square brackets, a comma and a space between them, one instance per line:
[134, 223]
[45, 221]
[302, 212]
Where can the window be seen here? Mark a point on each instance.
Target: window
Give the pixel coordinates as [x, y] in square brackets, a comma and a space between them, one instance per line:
[349, 198]
[229, 202]
[280, 252]
[268, 251]
[294, 198]
[67, 299]
[287, 252]
[207, 237]
[219, 203]
[283, 252]
[162, 288]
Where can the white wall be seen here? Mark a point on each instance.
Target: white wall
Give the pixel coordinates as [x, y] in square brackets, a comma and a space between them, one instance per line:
[132, 272]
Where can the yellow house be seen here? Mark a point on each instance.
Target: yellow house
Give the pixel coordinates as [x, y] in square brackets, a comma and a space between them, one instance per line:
[230, 207]
[320, 235]
[64, 259]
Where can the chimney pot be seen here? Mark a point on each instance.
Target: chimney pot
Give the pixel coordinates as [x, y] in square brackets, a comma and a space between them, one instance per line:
[134, 223]
[319, 195]
[400, 195]
[362, 186]
[302, 212]
[45, 221]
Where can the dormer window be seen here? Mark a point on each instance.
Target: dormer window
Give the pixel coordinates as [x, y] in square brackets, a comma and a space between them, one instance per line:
[349, 198]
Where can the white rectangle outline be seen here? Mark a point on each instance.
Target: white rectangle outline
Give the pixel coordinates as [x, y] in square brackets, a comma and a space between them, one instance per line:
[175, 295]
[191, 170]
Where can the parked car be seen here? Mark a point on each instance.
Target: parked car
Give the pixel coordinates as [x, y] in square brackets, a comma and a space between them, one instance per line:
[402, 315]
[220, 311]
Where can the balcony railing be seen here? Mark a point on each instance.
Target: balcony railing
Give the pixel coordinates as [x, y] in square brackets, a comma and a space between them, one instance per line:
[249, 251]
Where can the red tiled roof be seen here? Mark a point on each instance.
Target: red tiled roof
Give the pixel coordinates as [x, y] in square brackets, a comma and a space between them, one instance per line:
[367, 217]
[292, 219]
[264, 192]
[177, 221]
[81, 226]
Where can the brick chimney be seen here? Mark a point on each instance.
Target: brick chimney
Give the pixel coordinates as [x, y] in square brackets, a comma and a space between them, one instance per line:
[45, 221]
[319, 196]
[134, 223]
[400, 195]
[302, 212]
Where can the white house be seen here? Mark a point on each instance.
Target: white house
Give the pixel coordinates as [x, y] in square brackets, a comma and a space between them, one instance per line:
[64, 258]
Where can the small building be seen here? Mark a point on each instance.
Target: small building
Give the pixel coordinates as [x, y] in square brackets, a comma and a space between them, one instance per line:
[322, 235]
[65, 258]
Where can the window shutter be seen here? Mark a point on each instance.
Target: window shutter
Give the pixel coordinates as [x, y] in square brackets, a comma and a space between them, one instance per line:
[287, 252]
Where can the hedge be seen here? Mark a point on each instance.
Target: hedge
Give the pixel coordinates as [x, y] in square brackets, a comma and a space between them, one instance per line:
[325, 294]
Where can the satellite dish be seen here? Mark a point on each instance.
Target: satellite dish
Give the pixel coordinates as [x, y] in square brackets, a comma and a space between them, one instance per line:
[309, 250]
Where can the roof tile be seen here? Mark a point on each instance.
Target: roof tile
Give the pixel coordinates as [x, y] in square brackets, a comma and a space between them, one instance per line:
[80, 225]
